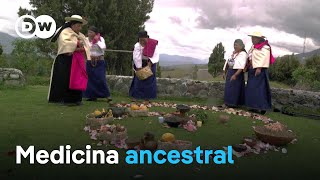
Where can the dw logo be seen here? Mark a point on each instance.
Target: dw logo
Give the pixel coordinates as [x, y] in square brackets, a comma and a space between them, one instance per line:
[45, 27]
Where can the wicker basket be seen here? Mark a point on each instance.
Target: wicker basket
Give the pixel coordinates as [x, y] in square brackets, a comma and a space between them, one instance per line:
[178, 145]
[96, 123]
[116, 136]
[138, 113]
[144, 73]
[276, 140]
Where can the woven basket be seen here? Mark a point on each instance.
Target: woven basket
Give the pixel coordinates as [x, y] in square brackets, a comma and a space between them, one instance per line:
[96, 123]
[178, 145]
[266, 137]
[138, 113]
[144, 73]
[116, 136]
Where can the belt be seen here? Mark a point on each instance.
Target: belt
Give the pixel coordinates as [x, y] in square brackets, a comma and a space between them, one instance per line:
[97, 58]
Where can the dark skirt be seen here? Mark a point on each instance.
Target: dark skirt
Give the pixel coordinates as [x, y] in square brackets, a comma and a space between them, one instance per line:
[59, 91]
[258, 93]
[234, 90]
[97, 83]
[146, 89]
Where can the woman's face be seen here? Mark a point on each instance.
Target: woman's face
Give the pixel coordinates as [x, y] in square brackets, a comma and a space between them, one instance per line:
[237, 47]
[255, 40]
[143, 41]
[76, 27]
[91, 34]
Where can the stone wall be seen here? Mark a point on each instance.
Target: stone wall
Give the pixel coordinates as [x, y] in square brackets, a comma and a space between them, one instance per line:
[11, 77]
[215, 90]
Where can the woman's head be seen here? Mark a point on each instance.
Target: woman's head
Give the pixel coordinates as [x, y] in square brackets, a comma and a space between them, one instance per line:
[76, 26]
[143, 37]
[257, 40]
[238, 45]
[92, 31]
[257, 37]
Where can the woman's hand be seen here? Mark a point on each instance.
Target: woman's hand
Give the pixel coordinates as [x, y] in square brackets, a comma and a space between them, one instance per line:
[258, 72]
[233, 78]
[224, 75]
[149, 64]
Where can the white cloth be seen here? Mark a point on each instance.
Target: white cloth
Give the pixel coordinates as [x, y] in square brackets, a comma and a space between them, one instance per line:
[260, 57]
[138, 56]
[98, 48]
[237, 61]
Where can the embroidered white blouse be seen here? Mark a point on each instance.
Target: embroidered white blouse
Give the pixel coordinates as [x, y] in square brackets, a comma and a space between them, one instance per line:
[138, 56]
[237, 61]
[98, 48]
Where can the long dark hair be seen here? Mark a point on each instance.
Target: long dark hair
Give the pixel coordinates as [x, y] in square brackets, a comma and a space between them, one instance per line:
[240, 42]
[66, 25]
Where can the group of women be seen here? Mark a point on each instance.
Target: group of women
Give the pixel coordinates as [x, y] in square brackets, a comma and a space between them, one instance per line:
[79, 70]
[74, 77]
[255, 94]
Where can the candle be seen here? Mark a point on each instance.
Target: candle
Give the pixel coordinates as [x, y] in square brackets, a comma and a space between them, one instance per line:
[161, 120]
[199, 123]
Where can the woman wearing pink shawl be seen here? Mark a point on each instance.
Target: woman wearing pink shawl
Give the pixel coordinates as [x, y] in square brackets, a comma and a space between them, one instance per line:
[68, 76]
[257, 92]
[145, 54]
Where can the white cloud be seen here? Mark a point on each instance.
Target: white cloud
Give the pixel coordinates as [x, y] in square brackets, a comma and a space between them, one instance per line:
[176, 25]
[9, 14]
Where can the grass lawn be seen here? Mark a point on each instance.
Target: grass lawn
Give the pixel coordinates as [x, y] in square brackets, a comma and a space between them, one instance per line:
[27, 119]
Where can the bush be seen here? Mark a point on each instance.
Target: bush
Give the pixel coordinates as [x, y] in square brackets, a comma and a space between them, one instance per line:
[306, 79]
[38, 80]
[283, 68]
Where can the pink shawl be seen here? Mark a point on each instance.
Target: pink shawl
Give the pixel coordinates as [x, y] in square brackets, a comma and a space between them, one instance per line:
[259, 46]
[150, 48]
[78, 75]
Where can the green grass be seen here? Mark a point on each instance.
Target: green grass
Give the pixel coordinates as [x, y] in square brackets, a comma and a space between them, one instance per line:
[27, 119]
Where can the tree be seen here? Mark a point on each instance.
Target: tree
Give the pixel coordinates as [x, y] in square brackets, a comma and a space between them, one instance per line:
[314, 63]
[216, 60]
[307, 76]
[158, 70]
[29, 59]
[283, 68]
[118, 21]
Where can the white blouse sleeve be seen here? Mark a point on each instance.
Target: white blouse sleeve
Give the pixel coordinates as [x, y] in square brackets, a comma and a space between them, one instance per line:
[102, 43]
[155, 58]
[137, 55]
[240, 61]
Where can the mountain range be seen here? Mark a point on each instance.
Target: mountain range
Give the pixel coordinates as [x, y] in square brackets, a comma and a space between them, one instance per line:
[165, 59]
[301, 57]
[171, 60]
[6, 42]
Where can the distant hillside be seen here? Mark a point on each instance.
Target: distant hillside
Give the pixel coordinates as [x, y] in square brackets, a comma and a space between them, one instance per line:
[172, 60]
[307, 55]
[6, 42]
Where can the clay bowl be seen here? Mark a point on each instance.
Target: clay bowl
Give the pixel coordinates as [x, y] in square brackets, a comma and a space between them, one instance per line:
[277, 139]
[173, 121]
[118, 112]
[183, 108]
[239, 148]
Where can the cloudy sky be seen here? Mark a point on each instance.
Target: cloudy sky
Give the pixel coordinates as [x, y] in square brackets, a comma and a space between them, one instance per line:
[193, 27]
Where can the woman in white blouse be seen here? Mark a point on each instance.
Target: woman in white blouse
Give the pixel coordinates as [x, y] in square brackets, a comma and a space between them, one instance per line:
[235, 85]
[258, 93]
[96, 68]
[144, 89]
